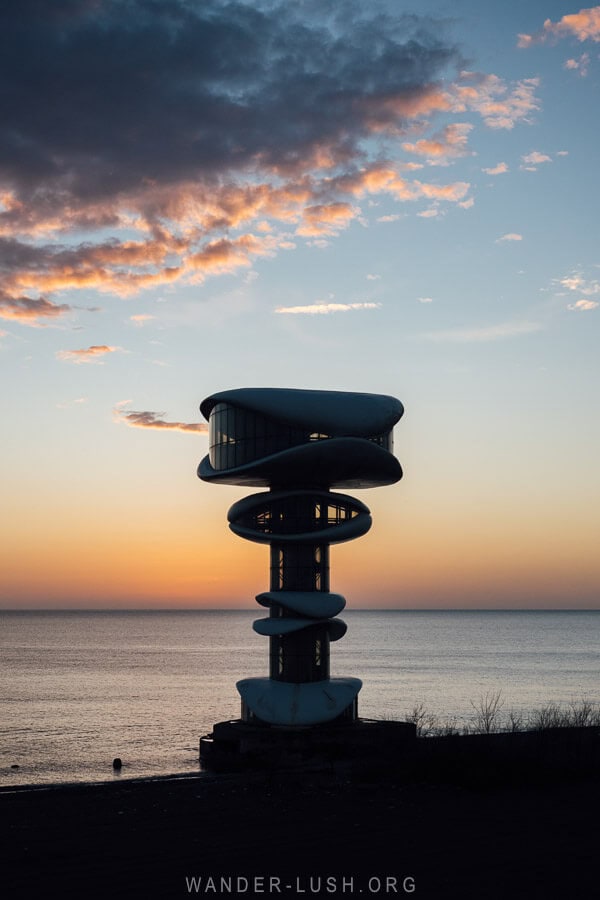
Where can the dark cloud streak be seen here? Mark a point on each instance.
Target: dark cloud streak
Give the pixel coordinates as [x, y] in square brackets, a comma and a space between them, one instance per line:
[156, 421]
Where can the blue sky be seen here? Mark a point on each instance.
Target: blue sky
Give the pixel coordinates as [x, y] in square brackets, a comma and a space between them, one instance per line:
[387, 197]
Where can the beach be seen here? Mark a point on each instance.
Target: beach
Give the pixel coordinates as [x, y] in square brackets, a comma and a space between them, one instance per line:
[320, 833]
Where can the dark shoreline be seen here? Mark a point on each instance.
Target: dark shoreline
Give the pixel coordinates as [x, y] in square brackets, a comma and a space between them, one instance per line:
[469, 832]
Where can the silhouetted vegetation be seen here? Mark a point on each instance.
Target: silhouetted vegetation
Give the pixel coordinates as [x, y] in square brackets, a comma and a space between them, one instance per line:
[489, 718]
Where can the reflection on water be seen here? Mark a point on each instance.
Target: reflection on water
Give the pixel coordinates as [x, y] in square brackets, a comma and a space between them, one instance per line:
[79, 689]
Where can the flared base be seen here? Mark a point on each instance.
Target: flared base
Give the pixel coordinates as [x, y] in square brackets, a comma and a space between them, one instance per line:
[286, 703]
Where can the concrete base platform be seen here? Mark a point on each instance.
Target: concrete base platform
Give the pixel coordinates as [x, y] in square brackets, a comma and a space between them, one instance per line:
[237, 745]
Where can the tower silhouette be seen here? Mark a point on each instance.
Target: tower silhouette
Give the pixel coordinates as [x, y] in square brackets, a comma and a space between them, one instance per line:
[300, 444]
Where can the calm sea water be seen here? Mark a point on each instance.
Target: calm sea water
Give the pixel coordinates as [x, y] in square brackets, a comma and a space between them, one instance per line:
[79, 688]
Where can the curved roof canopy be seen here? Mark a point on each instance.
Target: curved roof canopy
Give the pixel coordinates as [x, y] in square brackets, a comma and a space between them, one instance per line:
[335, 413]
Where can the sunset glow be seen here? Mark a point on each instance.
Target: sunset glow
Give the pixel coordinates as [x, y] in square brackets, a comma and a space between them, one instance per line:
[389, 202]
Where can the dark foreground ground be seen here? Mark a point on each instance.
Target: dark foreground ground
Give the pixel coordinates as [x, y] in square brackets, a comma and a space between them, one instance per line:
[371, 835]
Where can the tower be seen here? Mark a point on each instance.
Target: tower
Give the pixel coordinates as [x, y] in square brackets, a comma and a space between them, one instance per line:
[299, 444]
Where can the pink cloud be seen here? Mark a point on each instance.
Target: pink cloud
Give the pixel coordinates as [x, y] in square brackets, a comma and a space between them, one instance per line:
[511, 236]
[326, 219]
[448, 144]
[500, 106]
[156, 421]
[500, 169]
[584, 25]
[92, 354]
[583, 305]
[580, 65]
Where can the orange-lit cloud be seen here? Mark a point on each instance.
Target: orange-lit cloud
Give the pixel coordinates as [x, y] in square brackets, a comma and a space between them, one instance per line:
[29, 310]
[451, 192]
[154, 420]
[92, 354]
[584, 25]
[390, 113]
[326, 220]
[282, 144]
[444, 146]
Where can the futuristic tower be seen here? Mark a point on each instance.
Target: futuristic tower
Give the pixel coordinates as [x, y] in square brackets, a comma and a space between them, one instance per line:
[300, 444]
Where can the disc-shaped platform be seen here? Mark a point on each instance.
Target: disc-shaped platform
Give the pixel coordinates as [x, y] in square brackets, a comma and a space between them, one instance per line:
[313, 604]
[276, 625]
[338, 462]
[284, 703]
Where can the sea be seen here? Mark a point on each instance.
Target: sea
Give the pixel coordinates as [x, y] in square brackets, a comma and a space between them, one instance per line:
[79, 688]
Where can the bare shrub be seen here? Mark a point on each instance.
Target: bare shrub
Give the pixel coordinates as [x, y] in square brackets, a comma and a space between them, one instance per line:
[584, 713]
[515, 720]
[449, 727]
[550, 716]
[425, 721]
[487, 712]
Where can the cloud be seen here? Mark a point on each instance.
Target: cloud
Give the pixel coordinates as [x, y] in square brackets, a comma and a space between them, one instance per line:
[326, 219]
[443, 147]
[154, 420]
[485, 333]
[234, 86]
[201, 136]
[584, 25]
[498, 169]
[530, 161]
[580, 65]
[500, 106]
[29, 310]
[324, 309]
[372, 277]
[511, 236]
[92, 354]
[583, 305]
[578, 284]
[141, 318]
[67, 404]
[425, 299]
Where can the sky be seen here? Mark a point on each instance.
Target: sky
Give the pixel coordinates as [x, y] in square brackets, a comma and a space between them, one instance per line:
[390, 197]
